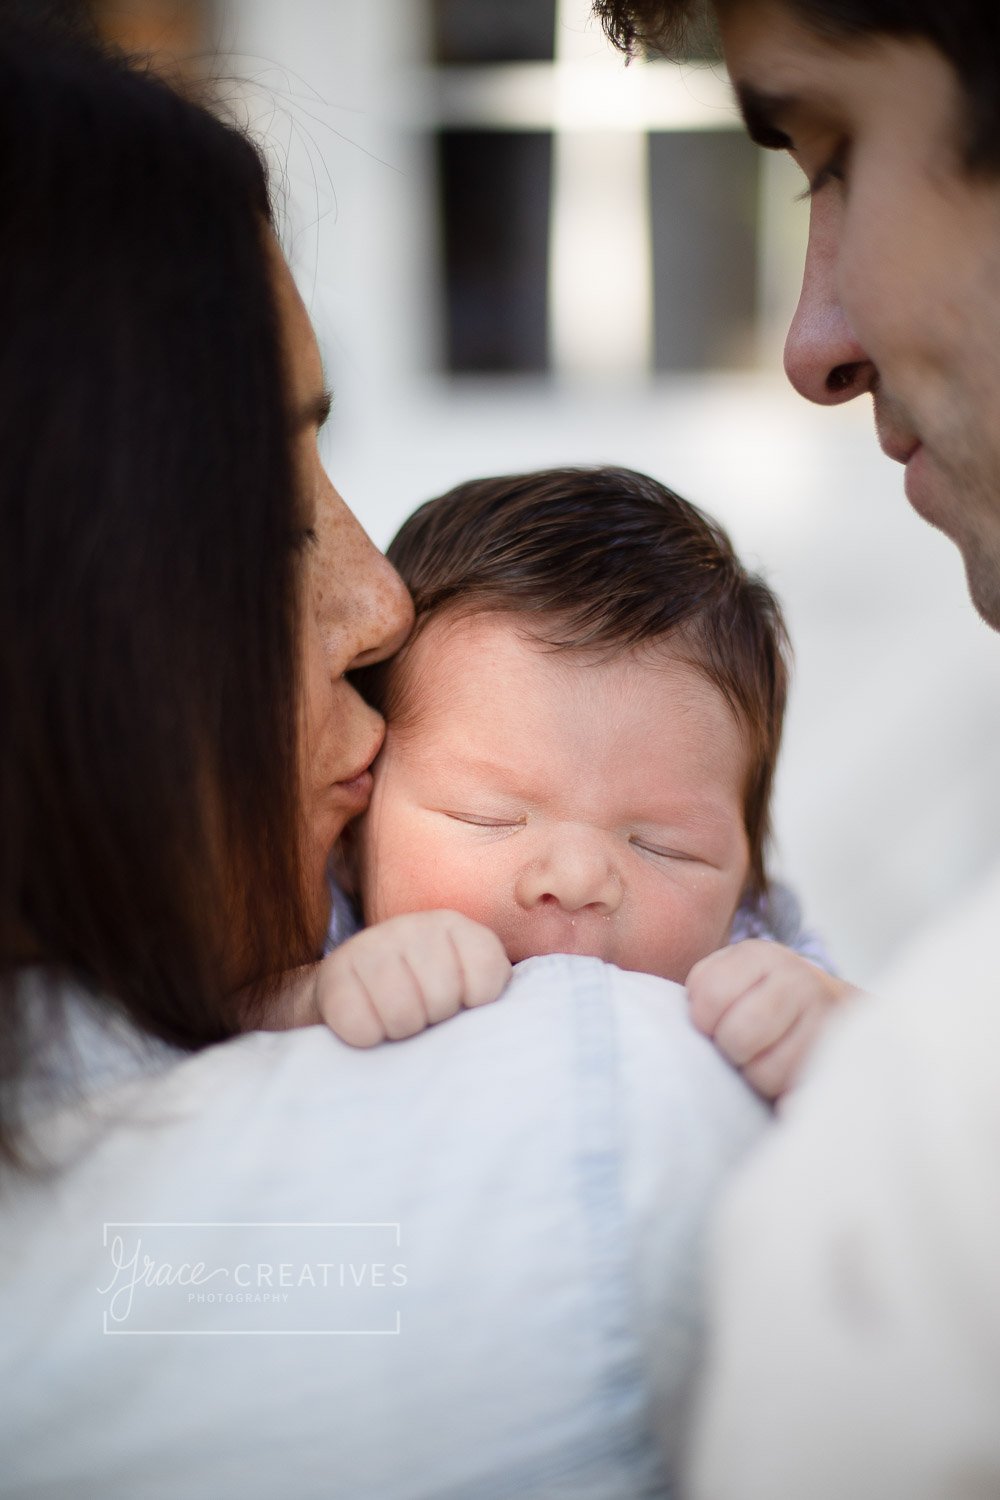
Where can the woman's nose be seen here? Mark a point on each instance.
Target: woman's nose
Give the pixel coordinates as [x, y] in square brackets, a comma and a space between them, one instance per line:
[363, 603]
[823, 359]
[385, 608]
[573, 874]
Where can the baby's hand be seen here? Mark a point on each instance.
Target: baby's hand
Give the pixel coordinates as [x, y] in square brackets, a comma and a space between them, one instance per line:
[764, 1007]
[402, 975]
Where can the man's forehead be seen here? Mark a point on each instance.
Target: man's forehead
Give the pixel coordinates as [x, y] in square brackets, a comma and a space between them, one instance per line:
[778, 64]
[768, 37]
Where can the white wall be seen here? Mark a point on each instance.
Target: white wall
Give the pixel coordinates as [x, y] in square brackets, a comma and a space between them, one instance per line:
[886, 806]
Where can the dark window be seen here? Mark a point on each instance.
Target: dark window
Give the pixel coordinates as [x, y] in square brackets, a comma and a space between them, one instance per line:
[495, 219]
[703, 205]
[493, 31]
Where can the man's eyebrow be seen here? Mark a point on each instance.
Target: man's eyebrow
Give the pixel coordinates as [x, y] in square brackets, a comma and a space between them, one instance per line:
[316, 412]
[760, 111]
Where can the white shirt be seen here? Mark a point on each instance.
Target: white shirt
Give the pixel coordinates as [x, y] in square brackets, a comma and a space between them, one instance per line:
[856, 1289]
[510, 1209]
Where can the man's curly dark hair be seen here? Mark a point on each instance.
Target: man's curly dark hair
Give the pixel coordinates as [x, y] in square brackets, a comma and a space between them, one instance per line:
[966, 32]
[662, 25]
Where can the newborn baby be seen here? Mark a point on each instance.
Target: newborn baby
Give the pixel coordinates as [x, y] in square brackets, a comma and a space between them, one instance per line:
[582, 733]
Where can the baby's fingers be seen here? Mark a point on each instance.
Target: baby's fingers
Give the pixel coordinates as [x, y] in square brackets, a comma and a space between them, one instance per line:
[371, 976]
[480, 956]
[345, 1004]
[716, 982]
[773, 1072]
[450, 961]
[394, 977]
[409, 972]
[415, 969]
[757, 1020]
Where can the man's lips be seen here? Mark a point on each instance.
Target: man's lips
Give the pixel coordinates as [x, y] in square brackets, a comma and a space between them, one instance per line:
[909, 452]
[896, 436]
[898, 448]
[920, 488]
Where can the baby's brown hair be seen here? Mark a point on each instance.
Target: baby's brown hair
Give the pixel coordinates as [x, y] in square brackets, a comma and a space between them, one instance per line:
[601, 561]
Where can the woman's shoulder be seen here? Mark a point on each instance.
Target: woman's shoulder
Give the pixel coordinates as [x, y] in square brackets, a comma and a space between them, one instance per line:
[561, 1019]
[469, 1200]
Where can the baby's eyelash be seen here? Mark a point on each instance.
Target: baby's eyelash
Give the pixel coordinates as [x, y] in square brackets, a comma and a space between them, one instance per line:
[478, 822]
[648, 848]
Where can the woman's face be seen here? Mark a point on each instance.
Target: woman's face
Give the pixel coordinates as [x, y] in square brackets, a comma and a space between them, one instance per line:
[356, 610]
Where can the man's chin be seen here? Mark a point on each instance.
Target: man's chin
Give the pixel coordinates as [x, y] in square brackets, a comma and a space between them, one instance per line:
[982, 573]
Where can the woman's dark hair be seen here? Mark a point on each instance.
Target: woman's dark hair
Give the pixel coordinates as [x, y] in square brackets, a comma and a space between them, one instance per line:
[65, 18]
[966, 32]
[148, 569]
[599, 562]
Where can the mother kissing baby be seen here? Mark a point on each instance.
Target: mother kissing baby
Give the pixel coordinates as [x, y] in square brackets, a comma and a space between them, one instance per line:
[183, 596]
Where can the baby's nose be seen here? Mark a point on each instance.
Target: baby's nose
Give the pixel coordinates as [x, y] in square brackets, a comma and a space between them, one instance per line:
[572, 875]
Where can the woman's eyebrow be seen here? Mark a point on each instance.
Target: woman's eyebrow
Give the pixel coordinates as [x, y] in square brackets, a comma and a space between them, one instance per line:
[760, 113]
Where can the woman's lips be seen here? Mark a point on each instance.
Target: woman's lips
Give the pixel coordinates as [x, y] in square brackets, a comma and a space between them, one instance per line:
[357, 791]
[356, 788]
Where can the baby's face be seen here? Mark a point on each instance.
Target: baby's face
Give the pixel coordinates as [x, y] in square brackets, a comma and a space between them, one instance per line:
[571, 807]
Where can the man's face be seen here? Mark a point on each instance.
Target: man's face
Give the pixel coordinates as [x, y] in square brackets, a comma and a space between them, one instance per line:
[901, 292]
[571, 806]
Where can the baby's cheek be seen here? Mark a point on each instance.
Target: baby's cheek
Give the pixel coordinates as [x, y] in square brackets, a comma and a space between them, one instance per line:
[462, 890]
[673, 938]
[414, 876]
[395, 888]
[391, 865]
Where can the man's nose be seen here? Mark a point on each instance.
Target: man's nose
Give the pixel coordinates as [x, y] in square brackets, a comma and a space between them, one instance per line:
[574, 873]
[823, 359]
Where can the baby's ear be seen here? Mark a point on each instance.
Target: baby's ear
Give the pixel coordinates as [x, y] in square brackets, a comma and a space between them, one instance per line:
[345, 863]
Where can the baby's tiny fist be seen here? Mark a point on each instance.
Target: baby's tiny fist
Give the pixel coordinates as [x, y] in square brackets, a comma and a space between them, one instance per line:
[763, 1005]
[344, 1003]
[409, 972]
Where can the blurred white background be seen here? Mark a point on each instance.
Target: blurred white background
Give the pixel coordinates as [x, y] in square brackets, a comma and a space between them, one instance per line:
[518, 253]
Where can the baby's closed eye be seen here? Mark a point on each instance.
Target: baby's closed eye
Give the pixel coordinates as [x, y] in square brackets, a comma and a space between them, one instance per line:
[479, 820]
[495, 825]
[662, 851]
